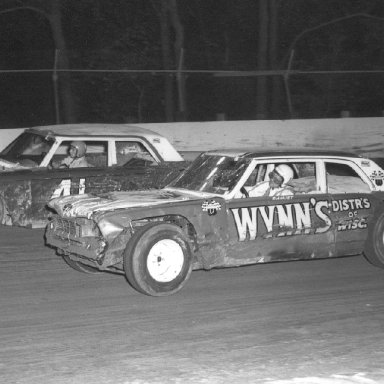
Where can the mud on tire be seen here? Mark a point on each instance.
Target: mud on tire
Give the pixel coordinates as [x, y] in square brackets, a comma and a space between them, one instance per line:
[374, 246]
[157, 260]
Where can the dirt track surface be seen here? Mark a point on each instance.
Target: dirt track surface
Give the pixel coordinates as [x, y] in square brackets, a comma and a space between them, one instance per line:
[287, 323]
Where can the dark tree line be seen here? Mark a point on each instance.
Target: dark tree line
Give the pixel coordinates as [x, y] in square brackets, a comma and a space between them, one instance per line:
[168, 60]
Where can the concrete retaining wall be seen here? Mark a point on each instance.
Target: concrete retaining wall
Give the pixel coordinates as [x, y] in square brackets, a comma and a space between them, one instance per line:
[7, 135]
[360, 135]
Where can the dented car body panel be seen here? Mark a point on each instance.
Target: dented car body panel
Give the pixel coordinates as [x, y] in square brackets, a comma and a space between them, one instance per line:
[331, 209]
[28, 182]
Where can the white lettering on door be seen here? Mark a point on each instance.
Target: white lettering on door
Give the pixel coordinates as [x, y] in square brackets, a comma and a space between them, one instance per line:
[64, 188]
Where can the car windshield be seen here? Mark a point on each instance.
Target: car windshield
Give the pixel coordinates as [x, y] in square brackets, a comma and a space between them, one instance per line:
[27, 149]
[212, 173]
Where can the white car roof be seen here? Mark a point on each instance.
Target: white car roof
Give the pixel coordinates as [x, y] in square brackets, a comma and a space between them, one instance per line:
[95, 130]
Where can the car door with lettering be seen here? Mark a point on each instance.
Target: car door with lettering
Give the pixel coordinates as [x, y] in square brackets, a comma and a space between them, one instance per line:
[101, 176]
[294, 228]
[352, 206]
[98, 177]
[271, 228]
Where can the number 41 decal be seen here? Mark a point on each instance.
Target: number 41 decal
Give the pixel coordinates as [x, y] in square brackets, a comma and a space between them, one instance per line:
[64, 188]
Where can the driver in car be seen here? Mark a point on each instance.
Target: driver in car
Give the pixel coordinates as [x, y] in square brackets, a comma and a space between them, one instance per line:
[277, 183]
[76, 158]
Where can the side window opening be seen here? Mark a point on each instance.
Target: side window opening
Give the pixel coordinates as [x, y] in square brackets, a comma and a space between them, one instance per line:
[342, 178]
[256, 176]
[133, 153]
[61, 153]
[96, 153]
[303, 180]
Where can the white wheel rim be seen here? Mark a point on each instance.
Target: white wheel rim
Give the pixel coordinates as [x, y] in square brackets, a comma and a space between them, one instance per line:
[165, 260]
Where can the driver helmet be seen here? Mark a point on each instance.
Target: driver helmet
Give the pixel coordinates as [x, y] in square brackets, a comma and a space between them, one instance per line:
[80, 147]
[285, 171]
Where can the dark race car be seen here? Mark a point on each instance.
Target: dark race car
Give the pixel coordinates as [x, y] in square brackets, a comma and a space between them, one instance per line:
[227, 209]
[119, 157]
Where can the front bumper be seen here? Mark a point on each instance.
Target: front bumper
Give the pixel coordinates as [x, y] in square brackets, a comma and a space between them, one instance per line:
[90, 248]
[66, 236]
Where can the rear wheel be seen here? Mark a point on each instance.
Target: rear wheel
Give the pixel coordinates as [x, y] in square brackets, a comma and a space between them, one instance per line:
[80, 267]
[374, 246]
[157, 260]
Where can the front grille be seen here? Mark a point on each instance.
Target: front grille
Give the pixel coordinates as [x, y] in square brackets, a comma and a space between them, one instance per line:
[73, 228]
[77, 236]
[67, 227]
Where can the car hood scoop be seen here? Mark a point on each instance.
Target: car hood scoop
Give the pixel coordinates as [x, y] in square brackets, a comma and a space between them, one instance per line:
[85, 205]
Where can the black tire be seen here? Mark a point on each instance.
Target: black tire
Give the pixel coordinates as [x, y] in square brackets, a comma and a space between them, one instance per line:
[374, 246]
[80, 267]
[152, 271]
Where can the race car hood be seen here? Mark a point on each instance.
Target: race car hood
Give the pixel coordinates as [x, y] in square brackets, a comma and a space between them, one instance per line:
[86, 205]
[6, 165]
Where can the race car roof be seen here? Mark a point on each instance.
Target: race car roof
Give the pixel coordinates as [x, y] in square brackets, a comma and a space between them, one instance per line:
[95, 130]
[282, 153]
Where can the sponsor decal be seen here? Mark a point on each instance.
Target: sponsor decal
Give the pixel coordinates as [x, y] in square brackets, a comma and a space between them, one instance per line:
[377, 177]
[350, 204]
[352, 224]
[286, 197]
[211, 207]
[64, 188]
[297, 218]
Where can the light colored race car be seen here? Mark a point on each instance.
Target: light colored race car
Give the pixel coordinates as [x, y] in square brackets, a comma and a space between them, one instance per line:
[227, 209]
[118, 157]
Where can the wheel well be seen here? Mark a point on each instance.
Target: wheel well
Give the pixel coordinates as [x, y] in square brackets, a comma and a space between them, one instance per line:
[177, 220]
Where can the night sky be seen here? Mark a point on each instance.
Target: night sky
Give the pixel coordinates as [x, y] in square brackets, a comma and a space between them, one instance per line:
[25, 44]
[218, 36]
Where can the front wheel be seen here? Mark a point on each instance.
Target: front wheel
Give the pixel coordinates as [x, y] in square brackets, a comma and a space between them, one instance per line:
[157, 260]
[374, 246]
[80, 267]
